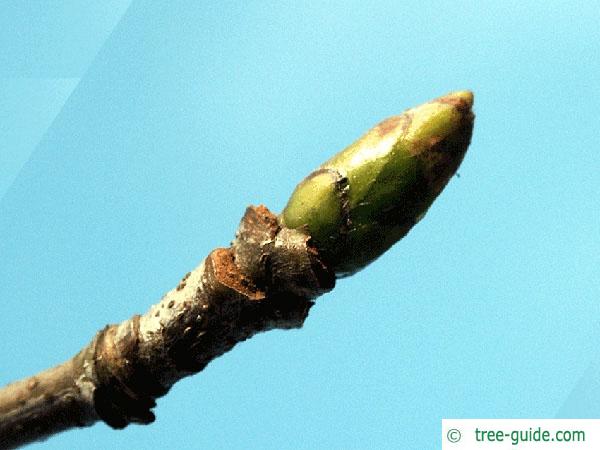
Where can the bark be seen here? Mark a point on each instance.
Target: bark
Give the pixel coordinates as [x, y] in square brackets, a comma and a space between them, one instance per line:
[267, 279]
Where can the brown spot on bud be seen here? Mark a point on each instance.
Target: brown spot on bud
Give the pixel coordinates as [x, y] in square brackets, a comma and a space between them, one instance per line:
[393, 123]
[388, 125]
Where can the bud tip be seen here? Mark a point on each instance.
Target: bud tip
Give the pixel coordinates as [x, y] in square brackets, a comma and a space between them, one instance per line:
[461, 99]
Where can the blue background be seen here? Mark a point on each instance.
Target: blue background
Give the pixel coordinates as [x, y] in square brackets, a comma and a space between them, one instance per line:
[133, 134]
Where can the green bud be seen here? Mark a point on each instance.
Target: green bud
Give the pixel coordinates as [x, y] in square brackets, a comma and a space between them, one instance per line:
[359, 203]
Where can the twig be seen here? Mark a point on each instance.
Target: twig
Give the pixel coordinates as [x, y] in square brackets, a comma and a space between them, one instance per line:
[339, 219]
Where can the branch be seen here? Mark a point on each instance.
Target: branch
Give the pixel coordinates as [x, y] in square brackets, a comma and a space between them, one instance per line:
[339, 219]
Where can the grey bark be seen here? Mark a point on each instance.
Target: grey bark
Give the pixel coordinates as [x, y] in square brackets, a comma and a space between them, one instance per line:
[267, 279]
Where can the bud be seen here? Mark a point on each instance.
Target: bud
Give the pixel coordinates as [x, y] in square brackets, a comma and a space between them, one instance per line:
[359, 203]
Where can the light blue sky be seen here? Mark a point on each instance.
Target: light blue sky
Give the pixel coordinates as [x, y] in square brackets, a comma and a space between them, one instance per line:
[134, 134]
